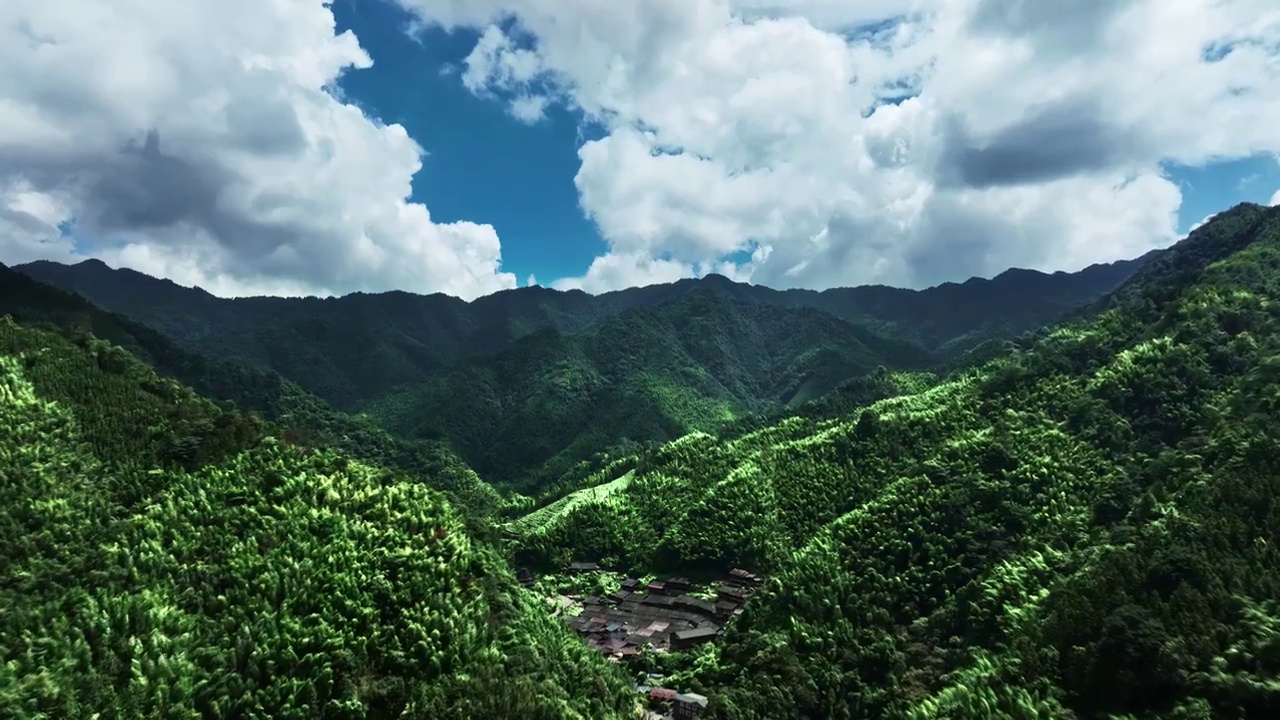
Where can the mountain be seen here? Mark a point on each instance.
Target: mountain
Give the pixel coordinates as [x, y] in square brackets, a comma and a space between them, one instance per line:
[291, 410]
[346, 350]
[651, 374]
[953, 318]
[526, 384]
[1083, 528]
[1078, 524]
[165, 557]
[359, 348]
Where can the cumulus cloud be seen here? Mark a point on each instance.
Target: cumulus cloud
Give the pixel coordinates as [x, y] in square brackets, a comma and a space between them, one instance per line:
[619, 270]
[202, 141]
[1275, 199]
[897, 141]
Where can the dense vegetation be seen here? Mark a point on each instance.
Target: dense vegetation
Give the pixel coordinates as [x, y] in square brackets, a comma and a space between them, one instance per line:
[526, 384]
[1077, 523]
[359, 348]
[293, 414]
[645, 376]
[1084, 528]
[163, 559]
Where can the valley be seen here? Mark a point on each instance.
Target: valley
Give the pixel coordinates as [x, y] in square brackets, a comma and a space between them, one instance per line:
[1032, 496]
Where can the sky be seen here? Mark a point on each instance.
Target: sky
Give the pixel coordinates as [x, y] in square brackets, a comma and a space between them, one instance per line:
[296, 147]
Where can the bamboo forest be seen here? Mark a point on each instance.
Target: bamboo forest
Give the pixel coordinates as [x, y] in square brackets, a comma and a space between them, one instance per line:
[1034, 496]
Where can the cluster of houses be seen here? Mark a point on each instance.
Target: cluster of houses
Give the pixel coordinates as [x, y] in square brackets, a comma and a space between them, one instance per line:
[660, 616]
[677, 705]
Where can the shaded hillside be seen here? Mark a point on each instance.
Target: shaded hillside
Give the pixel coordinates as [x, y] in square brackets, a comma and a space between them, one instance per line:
[245, 579]
[955, 317]
[292, 412]
[358, 348]
[647, 375]
[346, 350]
[1083, 529]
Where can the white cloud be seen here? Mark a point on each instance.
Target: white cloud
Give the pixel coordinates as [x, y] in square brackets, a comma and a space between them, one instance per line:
[496, 61]
[617, 270]
[197, 140]
[1036, 135]
[531, 281]
[1275, 199]
[529, 109]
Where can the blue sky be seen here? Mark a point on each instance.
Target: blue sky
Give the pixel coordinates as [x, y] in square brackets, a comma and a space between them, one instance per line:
[481, 164]
[1218, 185]
[790, 143]
[485, 166]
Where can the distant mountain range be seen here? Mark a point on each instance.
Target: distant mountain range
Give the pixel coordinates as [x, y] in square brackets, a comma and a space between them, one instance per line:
[359, 347]
[1072, 522]
[553, 378]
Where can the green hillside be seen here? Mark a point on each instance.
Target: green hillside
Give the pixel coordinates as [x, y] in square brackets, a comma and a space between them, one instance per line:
[955, 520]
[163, 558]
[361, 347]
[648, 375]
[289, 409]
[345, 350]
[1085, 528]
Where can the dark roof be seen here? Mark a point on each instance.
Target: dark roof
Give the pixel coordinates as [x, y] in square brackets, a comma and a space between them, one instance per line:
[732, 591]
[696, 633]
[694, 698]
[697, 603]
[583, 566]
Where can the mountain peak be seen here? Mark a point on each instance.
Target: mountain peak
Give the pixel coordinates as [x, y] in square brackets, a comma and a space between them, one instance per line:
[718, 280]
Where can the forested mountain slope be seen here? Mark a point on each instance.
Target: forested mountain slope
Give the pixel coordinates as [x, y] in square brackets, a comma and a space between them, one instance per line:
[292, 412]
[346, 350]
[1083, 529]
[148, 575]
[647, 375]
[952, 318]
[358, 348]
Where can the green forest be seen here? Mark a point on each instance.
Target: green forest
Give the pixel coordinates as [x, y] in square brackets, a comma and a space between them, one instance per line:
[1035, 496]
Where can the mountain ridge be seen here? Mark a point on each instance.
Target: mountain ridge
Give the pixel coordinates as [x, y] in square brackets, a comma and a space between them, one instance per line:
[147, 575]
[711, 277]
[692, 362]
[1077, 529]
[405, 338]
[296, 413]
[1079, 526]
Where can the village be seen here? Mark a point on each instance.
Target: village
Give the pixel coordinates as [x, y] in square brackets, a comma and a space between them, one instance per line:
[658, 616]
